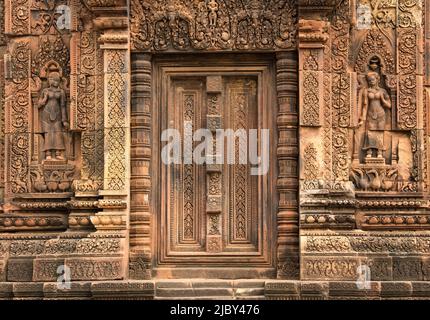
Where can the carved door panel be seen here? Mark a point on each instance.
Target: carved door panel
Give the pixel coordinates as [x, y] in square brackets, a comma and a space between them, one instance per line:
[213, 215]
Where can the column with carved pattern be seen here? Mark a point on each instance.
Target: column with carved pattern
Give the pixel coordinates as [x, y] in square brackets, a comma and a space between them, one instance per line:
[140, 219]
[116, 132]
[288, 216]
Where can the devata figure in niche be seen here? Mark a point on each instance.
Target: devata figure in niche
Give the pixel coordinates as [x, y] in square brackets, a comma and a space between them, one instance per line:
[52, 102]
[375, 101]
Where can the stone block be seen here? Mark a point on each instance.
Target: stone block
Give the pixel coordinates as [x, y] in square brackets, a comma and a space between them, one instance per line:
[6, 290]
[407, 268]
[421, 289]
[28, 290]
[354, 289]
[275, 289]
[314, 290]
[97, 269]
[46, 269]
[19, 270]
[381, 269]
[396, 289]
[123, 290]
[78, 290]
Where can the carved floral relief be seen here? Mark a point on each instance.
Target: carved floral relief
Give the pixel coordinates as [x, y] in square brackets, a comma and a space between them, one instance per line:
[160, 25]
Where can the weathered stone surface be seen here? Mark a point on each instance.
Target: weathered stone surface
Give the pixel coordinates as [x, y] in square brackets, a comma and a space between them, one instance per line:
[396, 289]
[78, 290]
[408, 268]
[20, 270]
[342, 86]
[352, 289]
[82, 269]
[27, 290]
[47, 270]
[117, 290]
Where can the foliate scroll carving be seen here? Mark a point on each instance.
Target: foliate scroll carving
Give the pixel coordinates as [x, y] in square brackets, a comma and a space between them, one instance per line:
[330, 268]
[365, 243]
[18, 141]
[407, 104]
[341, 120]
[161, 25]
[87, 110]
[341, 86]
[18, 17]
[409, 13]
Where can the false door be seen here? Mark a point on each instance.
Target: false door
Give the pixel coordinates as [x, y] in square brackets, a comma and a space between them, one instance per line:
[215, 216]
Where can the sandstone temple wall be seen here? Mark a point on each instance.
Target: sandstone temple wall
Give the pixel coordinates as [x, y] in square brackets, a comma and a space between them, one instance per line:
[348, 82]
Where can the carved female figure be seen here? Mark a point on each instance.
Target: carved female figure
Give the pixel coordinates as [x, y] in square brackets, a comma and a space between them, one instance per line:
[373, 114]
[52, 102]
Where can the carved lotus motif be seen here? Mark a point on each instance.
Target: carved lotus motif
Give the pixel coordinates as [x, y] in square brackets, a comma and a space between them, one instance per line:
[310, 219]
[43, 222]
[398, 220]
[30, 222]
[386, 220]
[422, 220]
[410, 220]
[373, 220]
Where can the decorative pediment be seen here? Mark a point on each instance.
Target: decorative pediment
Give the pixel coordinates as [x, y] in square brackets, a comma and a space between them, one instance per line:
[222, 25]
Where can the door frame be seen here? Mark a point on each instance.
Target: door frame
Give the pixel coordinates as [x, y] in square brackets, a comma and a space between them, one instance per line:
[204, 62]
[143, 205]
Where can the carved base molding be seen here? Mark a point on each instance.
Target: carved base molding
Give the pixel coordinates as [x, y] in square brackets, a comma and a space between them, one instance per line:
[36, 258]
[389, 256]
[82, 184]
[227, 290]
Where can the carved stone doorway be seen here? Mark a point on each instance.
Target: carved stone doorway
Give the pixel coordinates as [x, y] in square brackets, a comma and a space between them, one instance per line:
[213, 220]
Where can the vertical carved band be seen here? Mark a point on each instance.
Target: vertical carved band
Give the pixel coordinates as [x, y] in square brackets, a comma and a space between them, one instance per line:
[2, 97]
[341, 97]
[18, 17]
[288, 218]
[214, 172]
[87, 106]
[17, 119]
[311, 86]
[116, 119]
[140, 218]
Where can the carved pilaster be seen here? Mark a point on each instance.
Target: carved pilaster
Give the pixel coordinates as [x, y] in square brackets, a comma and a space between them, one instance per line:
[312, 38]
[140, 218]
[116, 133]
[213, 25]
[2, 96]
[288, 217]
